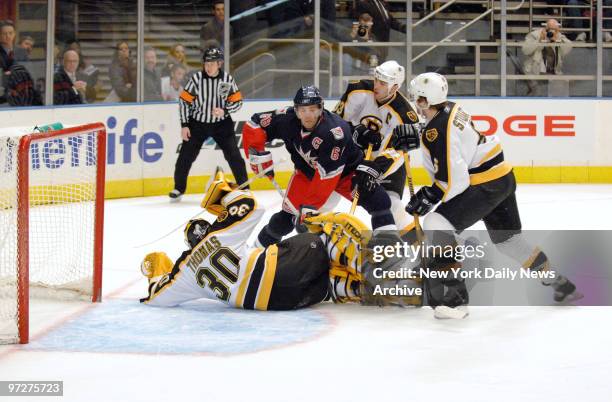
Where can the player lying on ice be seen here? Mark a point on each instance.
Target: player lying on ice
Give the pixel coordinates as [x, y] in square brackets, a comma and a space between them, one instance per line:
[298, 272]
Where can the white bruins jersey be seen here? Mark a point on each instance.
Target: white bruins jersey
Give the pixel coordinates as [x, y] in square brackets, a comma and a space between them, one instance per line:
[456, 155]
[222, 267]
[359, 106]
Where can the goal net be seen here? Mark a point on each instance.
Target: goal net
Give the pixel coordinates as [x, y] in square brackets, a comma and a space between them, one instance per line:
[51, 217]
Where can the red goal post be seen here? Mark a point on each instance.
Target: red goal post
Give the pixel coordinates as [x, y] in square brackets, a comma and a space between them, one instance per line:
[58, 210]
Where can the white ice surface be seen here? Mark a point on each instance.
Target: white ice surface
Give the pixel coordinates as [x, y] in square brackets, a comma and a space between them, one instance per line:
[327, 353]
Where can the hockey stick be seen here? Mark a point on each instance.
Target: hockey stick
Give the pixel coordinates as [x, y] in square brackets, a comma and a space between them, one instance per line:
[356, 196]
[240, 187]
[277, 186]
[417, 224]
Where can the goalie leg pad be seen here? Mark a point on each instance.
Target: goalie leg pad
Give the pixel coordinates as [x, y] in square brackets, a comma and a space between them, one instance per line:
[343, 235]
[344, 285]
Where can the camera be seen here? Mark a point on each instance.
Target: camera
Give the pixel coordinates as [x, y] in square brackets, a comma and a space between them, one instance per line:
[362, 30]
[549, 34]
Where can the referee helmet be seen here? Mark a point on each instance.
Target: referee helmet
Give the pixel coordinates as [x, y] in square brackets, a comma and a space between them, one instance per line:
[213, 54]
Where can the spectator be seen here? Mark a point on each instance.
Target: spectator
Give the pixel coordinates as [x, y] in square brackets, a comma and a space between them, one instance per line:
[176, 55]
[7, 56]
[171, 87]
[383, 22]
[361, 60]
[20, 89]
[122, 74]
[23, 51]
[68, 84]
[543, 58]
[211, 34]
[89, 72]
[152, 80]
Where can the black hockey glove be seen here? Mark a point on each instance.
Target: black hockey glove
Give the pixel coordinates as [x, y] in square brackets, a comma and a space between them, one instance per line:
[363, 136]
[423, 201]
[366, 178]
[406, 137]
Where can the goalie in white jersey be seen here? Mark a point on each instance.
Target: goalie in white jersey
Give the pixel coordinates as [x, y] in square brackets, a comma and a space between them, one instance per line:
[376, 110]
[298, 272]
[472, 181]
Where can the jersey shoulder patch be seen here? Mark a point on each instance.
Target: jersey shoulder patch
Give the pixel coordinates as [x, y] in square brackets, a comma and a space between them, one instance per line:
[338, 133]
[401, 105]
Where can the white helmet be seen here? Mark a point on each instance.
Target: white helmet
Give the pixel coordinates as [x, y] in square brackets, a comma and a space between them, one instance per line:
[391, 73]
[431, 86]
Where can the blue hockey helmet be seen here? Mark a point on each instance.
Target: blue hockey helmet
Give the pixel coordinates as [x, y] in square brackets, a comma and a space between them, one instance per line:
[308, 95]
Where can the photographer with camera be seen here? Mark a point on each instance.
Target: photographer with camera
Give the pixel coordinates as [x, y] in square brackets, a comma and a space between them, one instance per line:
[362, 60]
[542, 57]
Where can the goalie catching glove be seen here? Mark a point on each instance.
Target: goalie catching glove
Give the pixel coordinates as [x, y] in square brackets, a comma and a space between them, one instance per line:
[345, 234]
[261, 161]
[216, 190]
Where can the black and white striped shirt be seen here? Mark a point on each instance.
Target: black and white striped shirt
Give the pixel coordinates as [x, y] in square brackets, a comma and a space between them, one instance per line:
[204, 93]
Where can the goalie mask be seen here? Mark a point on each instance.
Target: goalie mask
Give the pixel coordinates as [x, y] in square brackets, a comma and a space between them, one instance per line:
[195, 231]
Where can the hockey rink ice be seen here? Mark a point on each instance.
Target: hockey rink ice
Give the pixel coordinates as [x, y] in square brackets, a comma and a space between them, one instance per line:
[120, 350]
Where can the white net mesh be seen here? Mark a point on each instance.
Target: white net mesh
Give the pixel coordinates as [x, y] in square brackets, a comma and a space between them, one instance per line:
[62, 193]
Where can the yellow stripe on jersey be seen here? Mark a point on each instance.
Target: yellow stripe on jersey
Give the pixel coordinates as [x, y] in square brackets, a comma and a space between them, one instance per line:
[494, 173]
[399, 119]
[265, 287]
[247, 277]
[451, 116]
[493, 152]
[440, 186]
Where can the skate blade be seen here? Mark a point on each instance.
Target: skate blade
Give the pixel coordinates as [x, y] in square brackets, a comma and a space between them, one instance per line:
[445, 312]
[175, 200]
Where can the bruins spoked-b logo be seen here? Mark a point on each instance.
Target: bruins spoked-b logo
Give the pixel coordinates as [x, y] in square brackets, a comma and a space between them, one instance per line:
[431, 134]
[412, 117]
[372, 122]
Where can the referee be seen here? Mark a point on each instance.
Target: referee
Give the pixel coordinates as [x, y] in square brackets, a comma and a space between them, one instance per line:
[205, 104]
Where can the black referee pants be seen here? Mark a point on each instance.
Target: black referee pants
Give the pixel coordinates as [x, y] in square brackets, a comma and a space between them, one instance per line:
[223, 134]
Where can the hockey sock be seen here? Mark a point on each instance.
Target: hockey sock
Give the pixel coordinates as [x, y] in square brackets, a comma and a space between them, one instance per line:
[378, 205]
